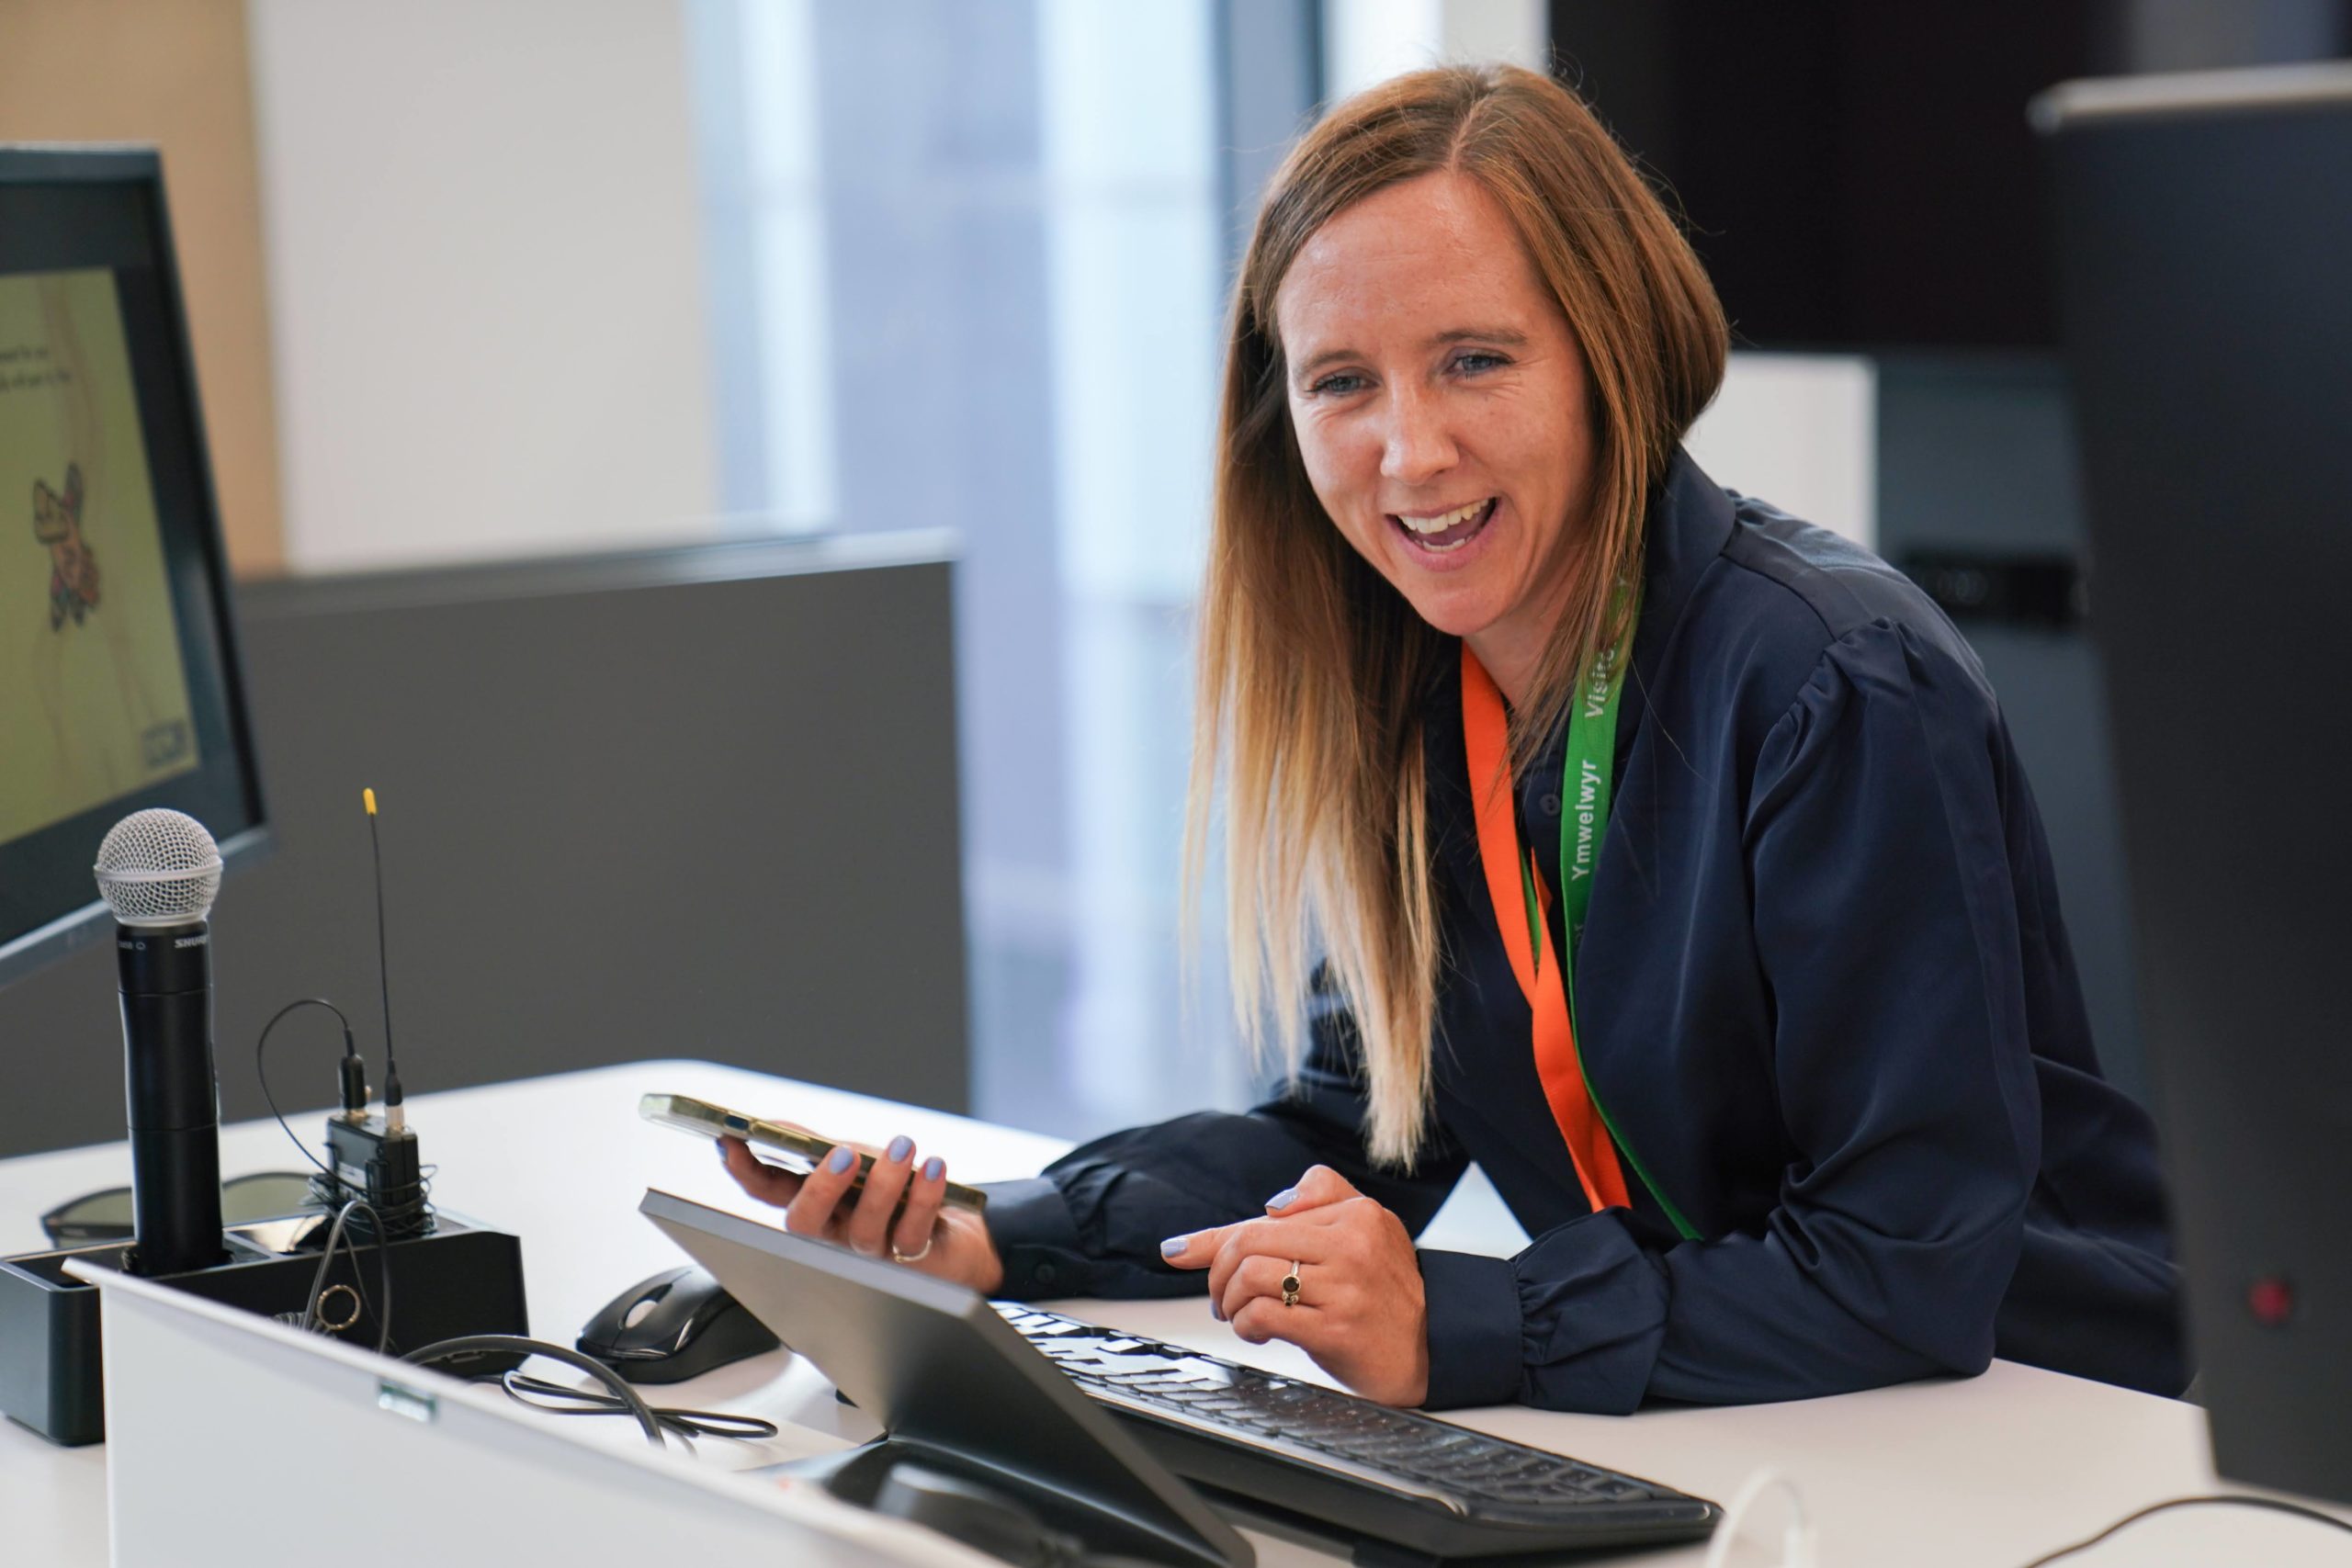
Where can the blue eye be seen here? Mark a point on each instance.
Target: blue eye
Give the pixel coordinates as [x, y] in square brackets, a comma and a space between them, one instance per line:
[1476, 363]
[1340, 383]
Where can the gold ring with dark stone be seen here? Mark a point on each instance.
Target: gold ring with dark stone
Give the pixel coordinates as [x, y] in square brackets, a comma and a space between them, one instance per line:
[1290, 1287]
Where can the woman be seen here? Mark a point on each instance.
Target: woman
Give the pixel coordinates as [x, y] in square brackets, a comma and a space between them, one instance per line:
[1669, 858]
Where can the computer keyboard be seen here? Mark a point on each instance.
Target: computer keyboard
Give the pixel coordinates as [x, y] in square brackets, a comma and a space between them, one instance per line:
[1349, 1465]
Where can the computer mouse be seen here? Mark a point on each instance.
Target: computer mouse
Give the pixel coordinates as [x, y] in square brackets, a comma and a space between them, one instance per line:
[677, 1325]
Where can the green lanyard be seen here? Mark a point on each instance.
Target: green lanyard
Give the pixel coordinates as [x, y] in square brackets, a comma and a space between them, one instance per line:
[1588, 771]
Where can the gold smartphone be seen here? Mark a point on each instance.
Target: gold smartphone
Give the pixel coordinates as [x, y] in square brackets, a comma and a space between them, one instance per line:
[799, 1151]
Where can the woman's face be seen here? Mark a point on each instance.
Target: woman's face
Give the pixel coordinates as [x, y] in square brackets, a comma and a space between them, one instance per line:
[1439, 398]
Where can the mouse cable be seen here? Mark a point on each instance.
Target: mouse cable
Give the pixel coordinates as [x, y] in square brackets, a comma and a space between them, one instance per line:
[2233, 1500]
[515, 1344]
[555, 1399]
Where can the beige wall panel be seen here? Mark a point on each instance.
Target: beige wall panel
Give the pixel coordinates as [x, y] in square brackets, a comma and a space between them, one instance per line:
[175, 73]
[486, 304]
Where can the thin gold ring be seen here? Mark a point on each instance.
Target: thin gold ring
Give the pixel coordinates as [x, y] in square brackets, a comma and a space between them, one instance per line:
[918, 1255]
[1290, 1287]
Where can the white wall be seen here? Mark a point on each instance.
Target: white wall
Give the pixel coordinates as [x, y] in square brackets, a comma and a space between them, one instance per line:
[1369, 40]
[482, 232]
[1800, 430]
[1516, 31]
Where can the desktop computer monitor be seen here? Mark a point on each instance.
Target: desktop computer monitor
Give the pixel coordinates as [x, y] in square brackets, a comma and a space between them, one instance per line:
[2205, 228]
[119, 685]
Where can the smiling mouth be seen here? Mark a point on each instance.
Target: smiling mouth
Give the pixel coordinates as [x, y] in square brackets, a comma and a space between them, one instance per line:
[1446, 530]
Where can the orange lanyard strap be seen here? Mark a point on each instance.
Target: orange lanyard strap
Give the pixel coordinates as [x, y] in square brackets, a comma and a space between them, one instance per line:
[1485, 733]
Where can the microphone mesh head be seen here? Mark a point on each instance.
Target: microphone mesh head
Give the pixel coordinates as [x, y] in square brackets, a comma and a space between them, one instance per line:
[158, 868]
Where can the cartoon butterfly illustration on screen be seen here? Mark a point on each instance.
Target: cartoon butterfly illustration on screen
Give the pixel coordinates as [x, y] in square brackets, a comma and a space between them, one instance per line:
[74, 570]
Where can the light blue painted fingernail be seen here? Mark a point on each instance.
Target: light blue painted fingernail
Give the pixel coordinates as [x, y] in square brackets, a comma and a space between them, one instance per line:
[1216, 1310]
[901, 1147]
[933, 1169]
[1283, 1198]
[1174, 1244]
[841, 1158]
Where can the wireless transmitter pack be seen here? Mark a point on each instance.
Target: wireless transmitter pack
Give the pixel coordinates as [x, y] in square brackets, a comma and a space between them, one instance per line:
[374, 1162]
[451, 1278]
[373, 1157]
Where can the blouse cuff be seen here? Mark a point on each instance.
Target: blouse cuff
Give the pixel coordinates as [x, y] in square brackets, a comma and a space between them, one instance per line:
[1036, 1238]
[1476, 1338]
[1595, 1304]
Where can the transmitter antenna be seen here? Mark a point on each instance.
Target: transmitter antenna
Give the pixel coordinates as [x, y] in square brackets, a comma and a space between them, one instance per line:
[395, 1119]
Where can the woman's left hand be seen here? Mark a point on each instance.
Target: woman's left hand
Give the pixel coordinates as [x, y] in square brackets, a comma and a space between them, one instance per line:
[1360, 1313]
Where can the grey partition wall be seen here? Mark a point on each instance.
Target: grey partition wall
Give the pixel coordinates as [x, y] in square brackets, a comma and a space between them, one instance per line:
[697, 802]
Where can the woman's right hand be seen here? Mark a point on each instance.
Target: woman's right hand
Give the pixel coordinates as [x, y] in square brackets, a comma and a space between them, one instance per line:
[821, 1204]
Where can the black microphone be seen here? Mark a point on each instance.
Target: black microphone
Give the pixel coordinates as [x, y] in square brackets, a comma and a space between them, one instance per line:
[159, 872]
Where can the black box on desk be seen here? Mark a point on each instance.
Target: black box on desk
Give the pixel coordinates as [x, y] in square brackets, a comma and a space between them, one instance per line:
[457, 1279]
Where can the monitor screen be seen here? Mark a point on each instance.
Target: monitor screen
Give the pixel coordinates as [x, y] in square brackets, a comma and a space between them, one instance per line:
[118, 682]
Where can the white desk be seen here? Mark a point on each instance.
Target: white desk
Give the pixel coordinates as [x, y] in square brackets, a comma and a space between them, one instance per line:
[1986, 1473]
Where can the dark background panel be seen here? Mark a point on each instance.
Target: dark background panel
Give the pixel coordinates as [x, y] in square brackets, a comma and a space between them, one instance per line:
[1860, 174]
[1854, 172]
[696, 804]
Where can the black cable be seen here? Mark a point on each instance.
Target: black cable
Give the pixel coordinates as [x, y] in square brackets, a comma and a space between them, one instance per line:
[310, 1318]
[383, 1274]
[512, 1343]
[403, 1217]
[536, 1392]
[2217, 1500]
[398, 1217]
[261, 1070]
[405, 1212]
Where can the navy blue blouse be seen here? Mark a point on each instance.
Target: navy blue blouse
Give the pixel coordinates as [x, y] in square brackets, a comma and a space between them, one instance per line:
[1824, 992]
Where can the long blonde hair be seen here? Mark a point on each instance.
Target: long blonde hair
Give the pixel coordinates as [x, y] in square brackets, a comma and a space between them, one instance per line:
[1312, 670]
